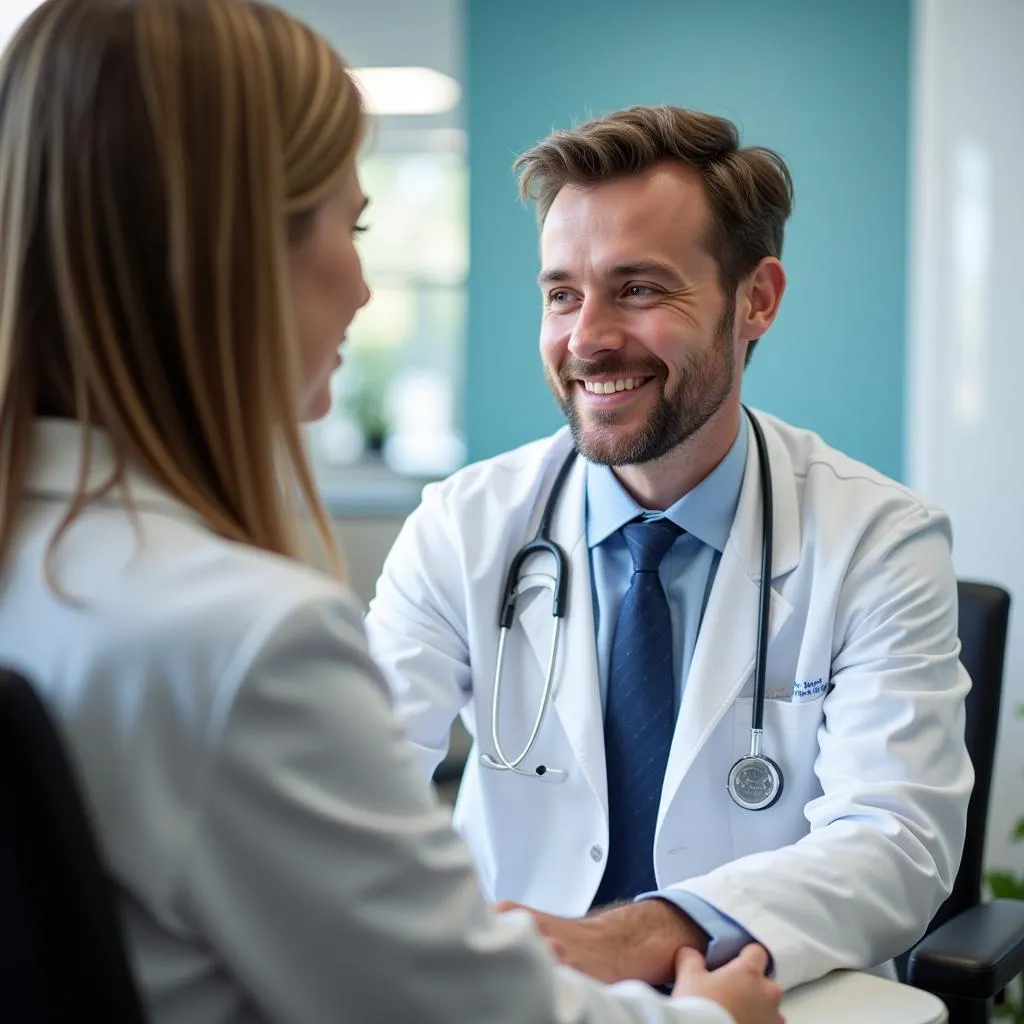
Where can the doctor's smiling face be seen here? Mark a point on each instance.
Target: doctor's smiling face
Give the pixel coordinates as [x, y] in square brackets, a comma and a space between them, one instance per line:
[660, 244]
[639, 338]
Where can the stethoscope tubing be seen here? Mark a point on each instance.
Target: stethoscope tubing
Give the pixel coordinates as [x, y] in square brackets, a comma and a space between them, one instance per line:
[543, 544]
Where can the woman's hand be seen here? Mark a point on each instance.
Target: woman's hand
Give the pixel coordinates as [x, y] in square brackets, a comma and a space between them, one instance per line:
[740, 986]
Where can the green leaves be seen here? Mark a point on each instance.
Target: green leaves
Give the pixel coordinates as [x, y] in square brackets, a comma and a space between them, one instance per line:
[1005, 885]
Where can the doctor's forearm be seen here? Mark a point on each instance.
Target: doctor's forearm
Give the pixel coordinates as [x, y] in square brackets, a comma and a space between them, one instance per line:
[644, 938]
[628, 942]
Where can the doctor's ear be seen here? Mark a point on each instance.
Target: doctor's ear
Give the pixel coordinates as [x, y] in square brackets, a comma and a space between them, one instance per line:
[759, 298]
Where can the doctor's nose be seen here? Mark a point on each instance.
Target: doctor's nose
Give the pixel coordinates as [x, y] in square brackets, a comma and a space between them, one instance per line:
[595, 332]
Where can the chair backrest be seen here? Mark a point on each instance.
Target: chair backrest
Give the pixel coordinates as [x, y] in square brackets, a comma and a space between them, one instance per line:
[984, 621]
[62, 954]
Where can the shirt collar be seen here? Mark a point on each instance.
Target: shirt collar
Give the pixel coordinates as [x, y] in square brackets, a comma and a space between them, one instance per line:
[706, 512]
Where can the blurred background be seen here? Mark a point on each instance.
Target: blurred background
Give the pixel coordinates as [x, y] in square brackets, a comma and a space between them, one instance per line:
[898, 338]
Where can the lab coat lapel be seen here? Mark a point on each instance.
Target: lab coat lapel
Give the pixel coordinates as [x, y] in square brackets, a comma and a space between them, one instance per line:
[723, 660]
[577, 696]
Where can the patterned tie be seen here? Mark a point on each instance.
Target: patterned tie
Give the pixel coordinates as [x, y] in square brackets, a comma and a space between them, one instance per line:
[639, 715]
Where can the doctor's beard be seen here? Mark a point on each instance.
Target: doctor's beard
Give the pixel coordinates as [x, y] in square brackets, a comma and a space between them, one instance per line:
[703, 384]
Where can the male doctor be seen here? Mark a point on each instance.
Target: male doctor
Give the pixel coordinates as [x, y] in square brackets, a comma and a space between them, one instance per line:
[660, 269]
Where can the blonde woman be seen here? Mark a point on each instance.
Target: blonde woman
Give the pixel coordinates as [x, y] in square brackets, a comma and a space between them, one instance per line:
[178, 199]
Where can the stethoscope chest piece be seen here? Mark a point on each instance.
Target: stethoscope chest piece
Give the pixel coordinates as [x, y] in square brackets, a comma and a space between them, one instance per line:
[755, 782]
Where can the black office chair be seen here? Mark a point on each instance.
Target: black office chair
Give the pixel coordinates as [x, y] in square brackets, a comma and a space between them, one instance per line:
[62, 956]
[973, 950]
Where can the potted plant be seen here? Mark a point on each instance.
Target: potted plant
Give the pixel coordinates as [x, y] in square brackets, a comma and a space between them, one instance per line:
[1010, 885]
[364, 391]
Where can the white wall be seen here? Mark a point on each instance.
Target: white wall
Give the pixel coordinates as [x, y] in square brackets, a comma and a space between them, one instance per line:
[965, 398]
[424, 33]
[12, 14]
[387, 32]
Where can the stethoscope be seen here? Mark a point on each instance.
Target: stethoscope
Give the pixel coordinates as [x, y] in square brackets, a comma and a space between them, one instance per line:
[755, 781]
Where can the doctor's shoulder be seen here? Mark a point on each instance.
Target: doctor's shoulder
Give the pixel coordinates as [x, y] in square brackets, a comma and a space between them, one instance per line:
[841, 495]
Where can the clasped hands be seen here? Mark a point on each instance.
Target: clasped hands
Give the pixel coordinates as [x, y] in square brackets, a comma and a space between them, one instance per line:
[653, 941]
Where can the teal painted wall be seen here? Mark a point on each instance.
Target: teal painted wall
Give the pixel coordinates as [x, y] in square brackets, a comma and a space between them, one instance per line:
[826, 84]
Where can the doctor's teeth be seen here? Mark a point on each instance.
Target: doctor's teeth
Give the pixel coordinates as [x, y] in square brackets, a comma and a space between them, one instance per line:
[607, 387]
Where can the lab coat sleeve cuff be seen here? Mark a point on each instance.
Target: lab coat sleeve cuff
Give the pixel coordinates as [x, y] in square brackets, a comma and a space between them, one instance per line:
[725, 937]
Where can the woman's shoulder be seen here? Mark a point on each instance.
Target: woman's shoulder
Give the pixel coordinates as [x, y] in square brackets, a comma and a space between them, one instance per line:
[209, 592]
[158, 596]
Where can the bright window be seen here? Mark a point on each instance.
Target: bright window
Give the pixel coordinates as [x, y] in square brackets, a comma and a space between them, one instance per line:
[398, 396]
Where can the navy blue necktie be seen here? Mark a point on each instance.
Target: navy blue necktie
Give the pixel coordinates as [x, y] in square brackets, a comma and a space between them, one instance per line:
[639, 715]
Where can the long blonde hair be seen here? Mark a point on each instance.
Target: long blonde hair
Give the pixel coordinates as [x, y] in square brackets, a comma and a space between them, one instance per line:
[157, 159]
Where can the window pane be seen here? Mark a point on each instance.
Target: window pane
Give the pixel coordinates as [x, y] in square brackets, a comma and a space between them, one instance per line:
[417, 215]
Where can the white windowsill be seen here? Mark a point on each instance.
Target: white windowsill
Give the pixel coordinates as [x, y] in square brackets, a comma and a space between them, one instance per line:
[368, 489]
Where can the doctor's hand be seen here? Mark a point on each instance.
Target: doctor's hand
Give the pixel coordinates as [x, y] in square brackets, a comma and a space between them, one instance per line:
[739, 987]
[631, 941]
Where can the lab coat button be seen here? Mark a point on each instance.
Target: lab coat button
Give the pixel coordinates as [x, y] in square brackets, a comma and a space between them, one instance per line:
[596, 854]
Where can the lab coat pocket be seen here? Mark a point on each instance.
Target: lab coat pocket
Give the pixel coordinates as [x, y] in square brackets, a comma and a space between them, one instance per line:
[791, 741]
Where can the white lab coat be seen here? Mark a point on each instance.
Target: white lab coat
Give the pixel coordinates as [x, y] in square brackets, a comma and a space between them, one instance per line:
[847, 869]
[277, 857]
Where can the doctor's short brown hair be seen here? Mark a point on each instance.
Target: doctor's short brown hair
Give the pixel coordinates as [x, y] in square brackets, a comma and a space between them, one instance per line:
[749, 189]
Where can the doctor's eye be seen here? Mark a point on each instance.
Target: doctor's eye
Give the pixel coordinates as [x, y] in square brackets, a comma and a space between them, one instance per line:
[562, 300]
[639, 291]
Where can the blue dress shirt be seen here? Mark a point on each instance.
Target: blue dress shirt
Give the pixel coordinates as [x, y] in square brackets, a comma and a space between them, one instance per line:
[687, 574]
